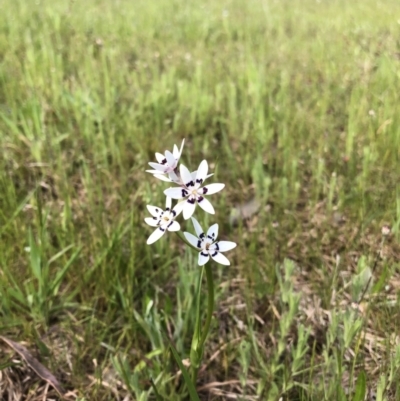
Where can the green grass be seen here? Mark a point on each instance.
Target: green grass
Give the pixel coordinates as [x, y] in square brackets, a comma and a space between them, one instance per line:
[295, 103]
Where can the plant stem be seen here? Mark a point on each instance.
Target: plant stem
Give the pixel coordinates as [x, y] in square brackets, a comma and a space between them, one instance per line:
[195, 359]
[210, 306]
[207, 324]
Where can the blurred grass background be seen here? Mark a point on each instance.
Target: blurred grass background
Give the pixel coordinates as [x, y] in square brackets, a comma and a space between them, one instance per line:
[293, 104]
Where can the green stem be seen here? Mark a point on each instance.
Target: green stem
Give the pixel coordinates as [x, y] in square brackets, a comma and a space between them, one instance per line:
[199, 347]
[210, 306]
[207, 324]
[195, 358]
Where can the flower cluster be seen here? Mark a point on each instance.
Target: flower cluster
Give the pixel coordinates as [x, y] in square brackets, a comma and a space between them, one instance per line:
[190, 191]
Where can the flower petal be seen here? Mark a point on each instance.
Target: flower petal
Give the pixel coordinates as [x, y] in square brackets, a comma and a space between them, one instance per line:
[211, 189]
[174, 226]
[158, 167]
[194, 173]
[151, 221]
[160, 158]
[176, 193]
[197, 228]
[201, 173]
[203, 258]
[220, 258]
[180, 152]
[162, 177]
[212, 232]
[205, 205]
[174, 177]
[186, 176]
[168, 203]
[194, 241]
[170, 159]
[157, 234]
[178, 208]
[224, 246]
[188, 209]
[176, 152]
[154, 210]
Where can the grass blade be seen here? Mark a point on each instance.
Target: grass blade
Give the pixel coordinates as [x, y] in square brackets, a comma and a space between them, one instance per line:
[361, 386]
[190, 385]
[153, 385]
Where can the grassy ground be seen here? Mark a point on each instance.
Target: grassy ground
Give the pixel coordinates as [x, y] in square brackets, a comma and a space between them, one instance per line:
[295, 104]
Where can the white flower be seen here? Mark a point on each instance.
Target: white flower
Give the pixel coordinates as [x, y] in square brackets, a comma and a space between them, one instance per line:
[207, 244]
[167, 165]
[163, 220]
[191, 190]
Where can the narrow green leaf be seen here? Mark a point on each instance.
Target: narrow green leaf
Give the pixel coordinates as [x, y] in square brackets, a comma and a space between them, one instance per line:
[59, 254]
[35, 259]
[60, 275]
[192, 390]
[153, 385]
[361, 387]
[196, 348]
[7, 365]
[19, 208]
[378, 286]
